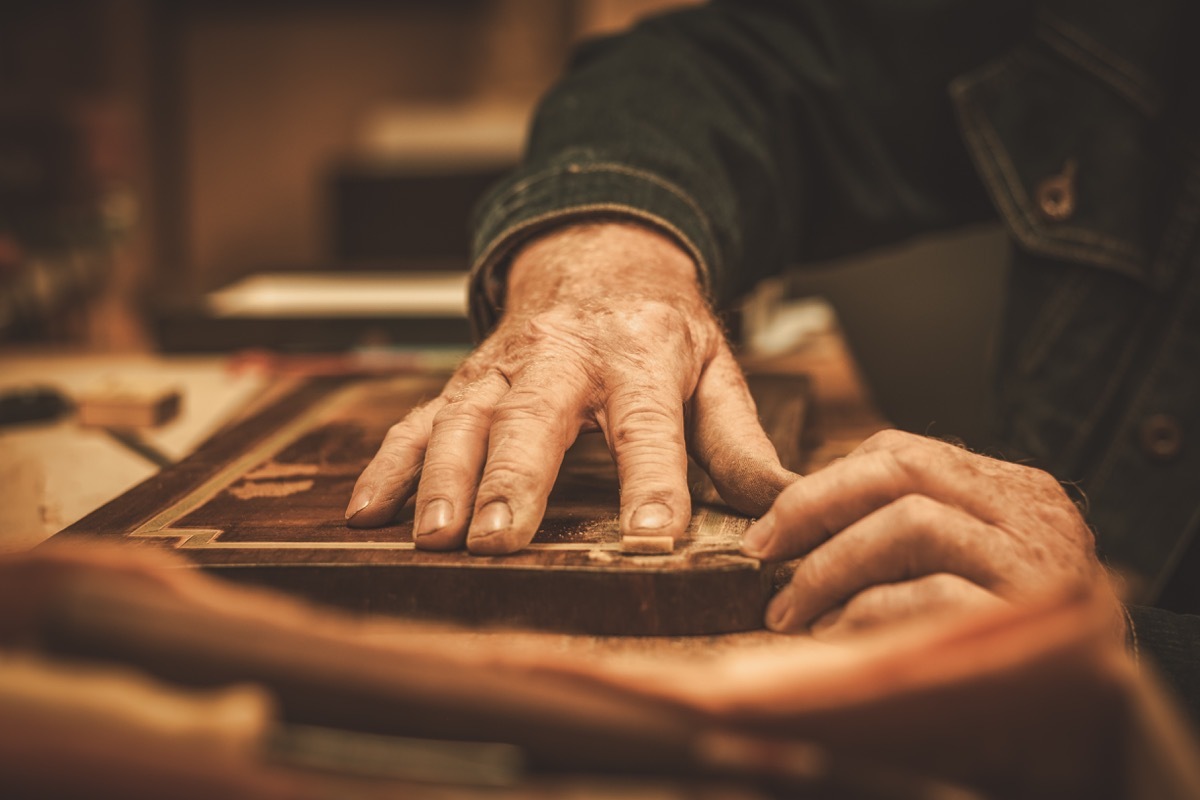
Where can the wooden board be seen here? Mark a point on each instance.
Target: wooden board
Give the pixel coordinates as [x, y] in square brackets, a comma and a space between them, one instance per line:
[263, 502]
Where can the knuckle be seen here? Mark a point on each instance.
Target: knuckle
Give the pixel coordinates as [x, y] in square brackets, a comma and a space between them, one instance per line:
[539, 397]
[401, 447]
[400, 431]
[890, 438]
[675, 498]
[528, 406]
[940, 588]
[507, 476]
[443, 473]
[638, 454]
[912, 464]
[917, 512]
[865, 610]
[390, 466]
[896, 463]
[410, 430]
[646, 423]
[463, 413]
[1048, 485]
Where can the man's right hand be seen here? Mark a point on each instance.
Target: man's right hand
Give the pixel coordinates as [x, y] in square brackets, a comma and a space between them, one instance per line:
[605, 328]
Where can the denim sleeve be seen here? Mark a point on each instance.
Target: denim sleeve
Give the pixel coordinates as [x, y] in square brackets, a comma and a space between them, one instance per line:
[757, 134]
[1172, 642]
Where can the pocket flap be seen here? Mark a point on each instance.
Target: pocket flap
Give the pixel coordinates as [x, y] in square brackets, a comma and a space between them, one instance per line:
[1067, 161]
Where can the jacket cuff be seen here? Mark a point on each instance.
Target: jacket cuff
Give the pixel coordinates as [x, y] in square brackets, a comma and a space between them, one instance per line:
[576, 190]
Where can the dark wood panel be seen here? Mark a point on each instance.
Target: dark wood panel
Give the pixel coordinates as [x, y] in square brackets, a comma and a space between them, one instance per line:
[262, 503]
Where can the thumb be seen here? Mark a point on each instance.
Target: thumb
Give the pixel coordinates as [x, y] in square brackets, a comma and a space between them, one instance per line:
[730, 444]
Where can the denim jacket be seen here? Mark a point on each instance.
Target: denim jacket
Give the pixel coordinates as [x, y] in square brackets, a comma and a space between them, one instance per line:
[767, 134]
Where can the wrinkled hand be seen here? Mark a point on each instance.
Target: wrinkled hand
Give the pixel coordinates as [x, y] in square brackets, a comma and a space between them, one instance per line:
[605, 328]
[907, 525]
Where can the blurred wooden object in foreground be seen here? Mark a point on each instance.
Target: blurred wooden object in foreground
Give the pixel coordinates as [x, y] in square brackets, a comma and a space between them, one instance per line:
[1029, 702]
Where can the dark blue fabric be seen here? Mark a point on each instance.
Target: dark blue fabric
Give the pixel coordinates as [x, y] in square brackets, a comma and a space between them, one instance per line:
[1172, 642]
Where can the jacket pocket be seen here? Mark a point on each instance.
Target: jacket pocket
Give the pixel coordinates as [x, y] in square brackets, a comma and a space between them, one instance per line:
[1068, 160]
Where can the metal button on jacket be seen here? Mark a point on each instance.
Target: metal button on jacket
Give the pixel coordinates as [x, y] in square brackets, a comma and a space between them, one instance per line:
[1056, 194]
[1161, 437]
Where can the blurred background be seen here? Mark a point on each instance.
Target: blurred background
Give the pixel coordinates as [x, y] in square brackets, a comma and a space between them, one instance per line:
[153, 154]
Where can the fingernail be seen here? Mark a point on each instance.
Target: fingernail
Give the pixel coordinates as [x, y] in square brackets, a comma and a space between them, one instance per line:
[650, 517]
[496, 516]
[436, 516]
[758, 536]
[361, 499]
[779, 608]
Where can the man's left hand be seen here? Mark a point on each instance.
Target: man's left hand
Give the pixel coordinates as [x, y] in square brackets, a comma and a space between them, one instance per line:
[907, 525]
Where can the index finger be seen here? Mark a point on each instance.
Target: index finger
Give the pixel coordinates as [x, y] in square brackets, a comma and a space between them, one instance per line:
[816, 507]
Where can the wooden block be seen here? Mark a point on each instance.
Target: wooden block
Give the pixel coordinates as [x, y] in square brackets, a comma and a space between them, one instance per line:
[262, 502]
[127, 407]
[647, 545]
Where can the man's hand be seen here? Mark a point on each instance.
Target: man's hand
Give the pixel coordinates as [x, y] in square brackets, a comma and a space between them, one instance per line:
[906, 525]
[605, 328]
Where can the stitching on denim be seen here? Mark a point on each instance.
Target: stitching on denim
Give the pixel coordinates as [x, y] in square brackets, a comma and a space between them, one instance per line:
[1124, 77]
[657, 180]
[1133, 72]
[527, 182]
[992, 159]
[502, 242]
[1081, 235]
[620, 169]
[1026, 230]
[509, 238]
